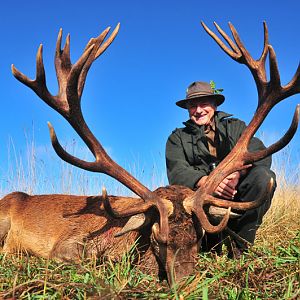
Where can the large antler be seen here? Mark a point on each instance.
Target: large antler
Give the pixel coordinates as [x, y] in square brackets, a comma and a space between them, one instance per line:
[269, 94]
[71, 80]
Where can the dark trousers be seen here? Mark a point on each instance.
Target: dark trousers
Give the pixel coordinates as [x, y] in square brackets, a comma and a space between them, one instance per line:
[254, 184]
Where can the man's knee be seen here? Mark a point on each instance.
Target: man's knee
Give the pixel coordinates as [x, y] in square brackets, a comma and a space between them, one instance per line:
[257, 181]
[261, 176]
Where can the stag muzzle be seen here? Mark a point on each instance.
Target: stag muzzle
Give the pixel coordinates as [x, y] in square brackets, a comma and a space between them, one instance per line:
[180, 264]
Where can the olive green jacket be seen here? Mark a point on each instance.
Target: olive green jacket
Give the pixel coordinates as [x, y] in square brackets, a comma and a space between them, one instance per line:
[187, 154]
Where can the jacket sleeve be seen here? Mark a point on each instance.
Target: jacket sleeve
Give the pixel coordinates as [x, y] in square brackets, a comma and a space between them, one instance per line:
[179, 170]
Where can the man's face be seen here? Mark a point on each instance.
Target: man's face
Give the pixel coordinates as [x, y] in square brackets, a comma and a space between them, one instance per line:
[201, 111]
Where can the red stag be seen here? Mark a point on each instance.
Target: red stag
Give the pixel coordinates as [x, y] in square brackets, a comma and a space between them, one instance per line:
[170, 221]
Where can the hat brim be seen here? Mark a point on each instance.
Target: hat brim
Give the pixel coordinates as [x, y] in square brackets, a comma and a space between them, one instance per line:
[217, 97]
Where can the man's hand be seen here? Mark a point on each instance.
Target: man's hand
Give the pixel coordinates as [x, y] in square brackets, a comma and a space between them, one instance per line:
[227, 188]
[201, 181]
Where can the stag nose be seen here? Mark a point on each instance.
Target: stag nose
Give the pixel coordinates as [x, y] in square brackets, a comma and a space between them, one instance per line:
[180, 270]
[181, 266]
[185, 270]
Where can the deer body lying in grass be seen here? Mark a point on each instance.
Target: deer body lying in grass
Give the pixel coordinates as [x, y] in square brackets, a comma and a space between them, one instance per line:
[168, 223]
[69, 227]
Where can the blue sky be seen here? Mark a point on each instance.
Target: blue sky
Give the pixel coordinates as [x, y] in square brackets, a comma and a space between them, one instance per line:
[131, 90]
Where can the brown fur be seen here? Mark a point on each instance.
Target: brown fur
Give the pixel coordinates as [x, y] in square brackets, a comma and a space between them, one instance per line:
[68, 227]
[59, 226]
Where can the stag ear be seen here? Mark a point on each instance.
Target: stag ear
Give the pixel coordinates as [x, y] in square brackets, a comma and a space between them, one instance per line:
[134, 223]
[188, 204]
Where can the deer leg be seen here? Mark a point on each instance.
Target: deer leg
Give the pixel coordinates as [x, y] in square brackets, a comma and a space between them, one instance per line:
[68, 248]
[9, 243]
[5, 219]
[4, 229]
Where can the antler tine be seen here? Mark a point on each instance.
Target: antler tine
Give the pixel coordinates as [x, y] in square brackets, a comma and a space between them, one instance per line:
[250, 157]
[40, 70]
[257, 67]
[63, 66]
[293, 87]
[209, 199]
[245, 57]
[141, 208]
[99, 48]
[38, 85]
[62, 58]
[274, 72]
[228, 39]
[231, 53]
[259, 71]
[266, 44]
[241, 54]
[100, 38]
[107, 43]
[206, 225]
[63, 154]
[73, 84]
[134, 210]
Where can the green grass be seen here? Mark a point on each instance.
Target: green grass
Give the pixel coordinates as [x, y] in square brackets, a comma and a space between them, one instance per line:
[260, 274]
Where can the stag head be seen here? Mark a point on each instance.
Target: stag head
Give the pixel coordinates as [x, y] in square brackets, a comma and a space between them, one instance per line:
[177, 255]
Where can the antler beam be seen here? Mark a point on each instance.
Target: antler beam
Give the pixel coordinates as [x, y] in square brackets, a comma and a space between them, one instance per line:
[71, 80]
[269, 94]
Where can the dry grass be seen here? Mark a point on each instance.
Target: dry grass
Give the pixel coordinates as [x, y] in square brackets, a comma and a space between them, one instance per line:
[38, 170]
[282, 220]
